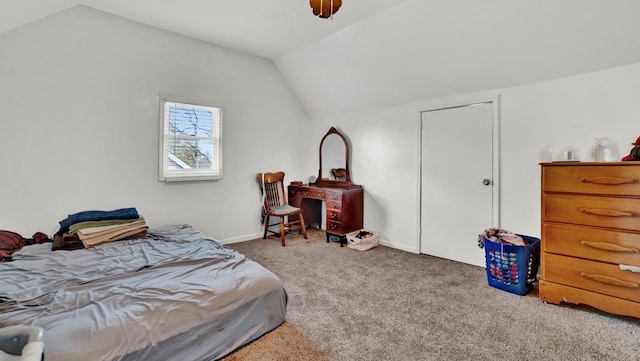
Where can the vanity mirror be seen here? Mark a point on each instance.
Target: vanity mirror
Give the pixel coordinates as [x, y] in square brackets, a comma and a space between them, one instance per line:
[334, 161]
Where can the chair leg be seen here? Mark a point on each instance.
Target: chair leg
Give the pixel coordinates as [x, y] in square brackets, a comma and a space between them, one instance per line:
[282, 230]
[304, 228]
[266, 226]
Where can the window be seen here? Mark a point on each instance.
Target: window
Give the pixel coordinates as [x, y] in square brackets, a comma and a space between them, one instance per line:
[190, 141]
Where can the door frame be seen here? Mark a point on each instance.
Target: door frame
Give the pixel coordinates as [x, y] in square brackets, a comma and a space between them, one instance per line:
[496, 152]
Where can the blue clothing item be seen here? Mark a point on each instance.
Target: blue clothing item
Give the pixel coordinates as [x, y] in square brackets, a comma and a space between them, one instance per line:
[123, 213]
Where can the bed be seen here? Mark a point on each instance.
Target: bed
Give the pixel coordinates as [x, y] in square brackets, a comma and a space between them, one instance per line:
[175, 295]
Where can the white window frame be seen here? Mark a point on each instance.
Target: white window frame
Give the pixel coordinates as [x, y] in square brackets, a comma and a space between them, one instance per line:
[167, 173]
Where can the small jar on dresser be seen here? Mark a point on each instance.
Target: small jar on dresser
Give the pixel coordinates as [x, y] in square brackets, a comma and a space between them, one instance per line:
[590, 244]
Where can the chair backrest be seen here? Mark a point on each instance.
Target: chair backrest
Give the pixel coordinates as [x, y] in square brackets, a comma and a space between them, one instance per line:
[272, 186]
[339, 174]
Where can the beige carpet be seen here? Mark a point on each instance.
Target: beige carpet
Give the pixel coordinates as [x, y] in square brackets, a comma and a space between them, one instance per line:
[285, 343]
[386, 304]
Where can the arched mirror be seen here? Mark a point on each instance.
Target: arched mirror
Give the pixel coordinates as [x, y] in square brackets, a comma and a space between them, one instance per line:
[334, 161]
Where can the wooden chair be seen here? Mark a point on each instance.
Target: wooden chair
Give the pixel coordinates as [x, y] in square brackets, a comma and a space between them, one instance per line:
[275, 205]
[339, 174]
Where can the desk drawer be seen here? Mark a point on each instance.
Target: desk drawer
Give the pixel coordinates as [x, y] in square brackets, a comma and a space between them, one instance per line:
[307, 192]
[334, 215]
[592, 179]
[592, 243]
[334, 204]
[334, 227]
[334, 196]
[612, 212]
[593, 276]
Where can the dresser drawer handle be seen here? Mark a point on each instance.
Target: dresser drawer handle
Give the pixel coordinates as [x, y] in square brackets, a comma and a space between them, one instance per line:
[609, 247]
[608, 180]
[609, 280]
[608, 212]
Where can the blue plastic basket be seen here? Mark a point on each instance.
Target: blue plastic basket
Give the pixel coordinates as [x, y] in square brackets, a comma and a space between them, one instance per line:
[512, 268]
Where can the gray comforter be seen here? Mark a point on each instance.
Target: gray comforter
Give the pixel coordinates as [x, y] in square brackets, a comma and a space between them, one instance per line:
[176, 295]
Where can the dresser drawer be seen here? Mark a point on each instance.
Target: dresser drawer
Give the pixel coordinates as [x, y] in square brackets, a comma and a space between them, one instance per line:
[334, 226]
[592, 243]
[612, 212]
[334, 204]
[593, 179]
[592, 276]
[334, 215]
[334, 195]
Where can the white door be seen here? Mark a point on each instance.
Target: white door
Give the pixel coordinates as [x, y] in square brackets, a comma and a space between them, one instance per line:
[457, 181]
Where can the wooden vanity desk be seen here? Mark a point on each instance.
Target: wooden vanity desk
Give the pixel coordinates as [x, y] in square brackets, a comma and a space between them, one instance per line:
[591, 235]
[343, 207]
[333, 191]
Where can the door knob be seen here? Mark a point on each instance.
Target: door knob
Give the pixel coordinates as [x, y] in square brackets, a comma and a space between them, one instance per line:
[486, 181]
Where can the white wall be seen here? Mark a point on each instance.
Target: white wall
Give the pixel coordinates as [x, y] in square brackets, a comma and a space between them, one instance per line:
[569, 112]
[79, 96]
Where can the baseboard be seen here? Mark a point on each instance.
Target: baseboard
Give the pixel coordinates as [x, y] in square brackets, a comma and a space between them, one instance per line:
[247, 237]
[401, 247]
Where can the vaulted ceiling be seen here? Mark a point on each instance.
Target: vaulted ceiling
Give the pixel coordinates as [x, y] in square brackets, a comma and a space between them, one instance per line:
[267, 28]
[379, 53]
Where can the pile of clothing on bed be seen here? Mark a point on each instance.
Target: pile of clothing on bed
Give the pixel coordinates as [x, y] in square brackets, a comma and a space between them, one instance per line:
[91, 228]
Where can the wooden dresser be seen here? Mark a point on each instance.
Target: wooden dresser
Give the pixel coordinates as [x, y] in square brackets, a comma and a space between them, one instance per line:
[591, 235]
[343, 207]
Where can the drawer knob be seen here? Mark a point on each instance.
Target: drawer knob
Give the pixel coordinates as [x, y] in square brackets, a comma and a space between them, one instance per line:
[608, 180]
[609, 280]
[609, 247]
[608, 212]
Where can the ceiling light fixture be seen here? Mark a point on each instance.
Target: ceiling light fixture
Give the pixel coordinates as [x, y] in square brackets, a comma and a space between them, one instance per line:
[325, 8]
